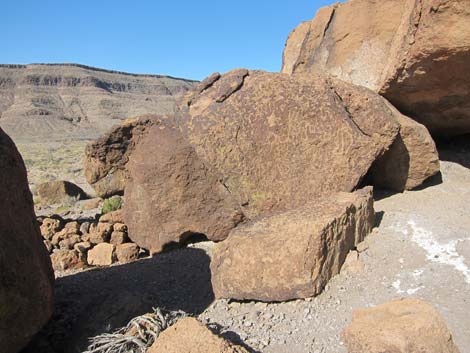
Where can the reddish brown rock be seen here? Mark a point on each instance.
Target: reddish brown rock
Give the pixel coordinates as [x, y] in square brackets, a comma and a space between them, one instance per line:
[127, 252]
[26, 276]
[118, 237]
[49, 227]
[100, 232]
[280, 141]
[112, 217]
[401, 326]
[69, 241]
[101, 255]
[54, 192]
[64, 259]
[416, 53]
[291, 254]
[106, 158]
[190, 336]
[172, 194]
[411, 159]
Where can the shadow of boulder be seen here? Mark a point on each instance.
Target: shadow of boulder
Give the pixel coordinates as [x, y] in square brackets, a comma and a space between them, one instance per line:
[98, 301]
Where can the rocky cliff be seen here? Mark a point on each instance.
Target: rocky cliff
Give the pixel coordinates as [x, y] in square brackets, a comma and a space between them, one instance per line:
[76, 101]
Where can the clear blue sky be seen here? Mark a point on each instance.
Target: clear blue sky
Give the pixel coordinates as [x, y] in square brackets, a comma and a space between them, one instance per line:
[181, 38]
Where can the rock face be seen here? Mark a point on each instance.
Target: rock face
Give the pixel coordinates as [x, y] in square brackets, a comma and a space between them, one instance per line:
[26, 277]
[280, 141]
[106, 158]
[59, 191]
[72, 101]
[414, 52]
[407, 325]
[172, 194]
[190, 336]
[411, 159]
[291, 254]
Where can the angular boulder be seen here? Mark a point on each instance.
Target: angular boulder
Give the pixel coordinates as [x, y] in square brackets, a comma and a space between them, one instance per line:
[26, 275]
[102, 254]
[280, 141]
[190, 336]
[172, 194]
[416, 53]
[410, 161]
[291, 254]
[106, 158]
[59, 191]
[401, 326]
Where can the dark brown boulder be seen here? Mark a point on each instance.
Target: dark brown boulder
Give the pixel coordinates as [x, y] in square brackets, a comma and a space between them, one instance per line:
[106, 158]
[26, 276]
[416, 53]
[280, 141]
[59, 191]
[172, 194]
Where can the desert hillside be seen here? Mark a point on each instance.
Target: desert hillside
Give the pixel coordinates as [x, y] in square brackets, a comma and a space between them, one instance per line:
[63, 101]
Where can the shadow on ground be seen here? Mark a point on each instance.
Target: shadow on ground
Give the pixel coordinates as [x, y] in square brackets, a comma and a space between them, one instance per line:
[455, 149]
[98, 301]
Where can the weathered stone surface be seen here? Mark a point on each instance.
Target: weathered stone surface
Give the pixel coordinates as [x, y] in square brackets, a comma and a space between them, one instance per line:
[118, 237]
[113, 217]
[49, 227]
[401, 326]
[59, 191]
[106, 158]
[100, 233]
[64, 259]
[411, 159]
[82, 247]
[127, 252]
[280, 141]
[291, 254]
[26, 276]
[190, 336]
[69, 241]
[172, 194]
[414, 52]
[101, 255]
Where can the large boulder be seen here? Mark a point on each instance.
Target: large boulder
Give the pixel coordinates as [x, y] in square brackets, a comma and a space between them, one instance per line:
[173, 195]
[292, 254]
[280, 141]
[106, 158]
[59, 191]
[190, 336]
[26, 276]
[401, 326]
[416, 53]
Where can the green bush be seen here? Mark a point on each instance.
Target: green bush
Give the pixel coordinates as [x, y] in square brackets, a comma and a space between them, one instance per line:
[112, 204]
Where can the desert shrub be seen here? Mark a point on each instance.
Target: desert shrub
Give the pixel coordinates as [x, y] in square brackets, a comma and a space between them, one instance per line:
[112, 204]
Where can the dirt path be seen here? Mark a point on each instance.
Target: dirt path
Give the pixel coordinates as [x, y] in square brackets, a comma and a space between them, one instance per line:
[421, 248]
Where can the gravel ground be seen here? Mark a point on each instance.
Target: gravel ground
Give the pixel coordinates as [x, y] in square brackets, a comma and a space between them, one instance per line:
[421, 248]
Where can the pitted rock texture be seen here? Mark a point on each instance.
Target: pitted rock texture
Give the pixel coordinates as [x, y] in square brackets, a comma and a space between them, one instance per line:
[26, 276]
[416, 53]
[190, 336]
[59, 191]
[173, 195]
[106, 158]
[64, 101]
[280, 141]
[402, 326]
[292, 254]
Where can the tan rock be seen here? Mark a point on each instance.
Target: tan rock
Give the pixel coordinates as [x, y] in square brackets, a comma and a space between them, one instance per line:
[101, 255]
[127, 252]
[411, 160]
[172, 194]
[54, 192]
[112, 217]
[48, 245]
[82, 247]
[120, 227]
[118, 237]
[353, 263]
[401, 326]
[292, 254]
[63, 259]
[284, 140]
[190, 336]
[414, 52]
[49, 227]
[92, 203]
[100, 233]
[69, 241]
[72, 227]
[106, 158]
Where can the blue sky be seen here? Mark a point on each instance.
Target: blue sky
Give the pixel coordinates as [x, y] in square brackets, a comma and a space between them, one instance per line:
[182, 38]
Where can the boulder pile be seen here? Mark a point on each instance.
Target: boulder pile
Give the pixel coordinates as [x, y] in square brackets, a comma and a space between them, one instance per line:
[76, 244]
[415, 53]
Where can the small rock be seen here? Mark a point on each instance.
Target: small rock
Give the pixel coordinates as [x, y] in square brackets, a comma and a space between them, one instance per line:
[69, 241]
[118, 237]
[63, 259]
[48, 245]
[120, 227]
[82, 247]
[85, 227]
[49, 227]
[112, 217]
[101, 255]
[127, 252]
